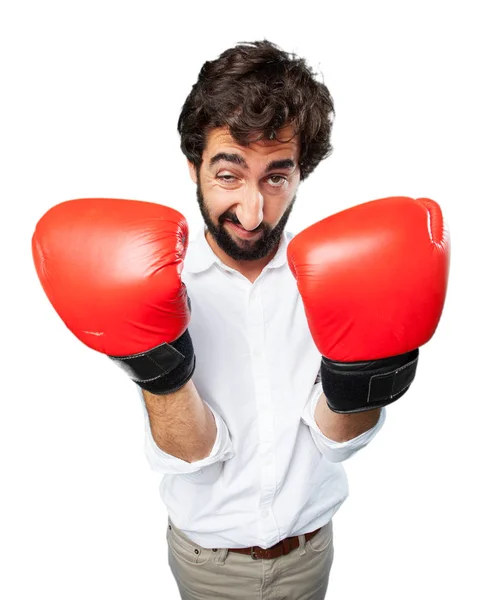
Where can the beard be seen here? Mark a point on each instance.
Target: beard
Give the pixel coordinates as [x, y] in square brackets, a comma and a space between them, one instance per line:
[243, 249]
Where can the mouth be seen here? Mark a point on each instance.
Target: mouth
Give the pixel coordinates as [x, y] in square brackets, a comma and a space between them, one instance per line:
[242, 233]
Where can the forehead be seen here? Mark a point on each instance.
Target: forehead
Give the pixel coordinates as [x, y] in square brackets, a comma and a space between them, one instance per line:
[286, 146]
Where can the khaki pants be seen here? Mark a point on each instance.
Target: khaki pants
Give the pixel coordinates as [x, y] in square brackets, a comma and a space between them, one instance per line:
[202, 574]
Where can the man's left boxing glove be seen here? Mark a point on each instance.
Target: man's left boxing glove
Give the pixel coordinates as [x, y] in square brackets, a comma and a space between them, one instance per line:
[112, 271]
[373, 280]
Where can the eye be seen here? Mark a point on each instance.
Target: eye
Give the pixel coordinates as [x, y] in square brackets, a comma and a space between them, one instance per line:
[226, 178]
[277, 180]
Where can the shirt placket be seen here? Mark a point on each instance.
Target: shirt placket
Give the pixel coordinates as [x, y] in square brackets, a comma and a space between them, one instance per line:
[268, 529]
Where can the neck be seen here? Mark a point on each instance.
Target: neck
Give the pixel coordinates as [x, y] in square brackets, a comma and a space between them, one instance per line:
[251, 269]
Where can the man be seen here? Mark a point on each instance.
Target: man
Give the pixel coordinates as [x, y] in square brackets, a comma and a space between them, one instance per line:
[254, 386]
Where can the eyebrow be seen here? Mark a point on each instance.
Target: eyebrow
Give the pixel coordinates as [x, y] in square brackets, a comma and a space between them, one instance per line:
[237, 159]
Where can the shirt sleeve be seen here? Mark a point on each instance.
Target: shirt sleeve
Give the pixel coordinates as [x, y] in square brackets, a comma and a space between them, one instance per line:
[331, 450]
[205, 469]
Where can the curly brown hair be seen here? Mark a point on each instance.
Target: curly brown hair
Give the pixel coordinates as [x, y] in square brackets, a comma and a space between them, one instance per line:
[255, 88]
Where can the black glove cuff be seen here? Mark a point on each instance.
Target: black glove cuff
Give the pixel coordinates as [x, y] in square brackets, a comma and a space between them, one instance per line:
[161, 370]
[359, 386]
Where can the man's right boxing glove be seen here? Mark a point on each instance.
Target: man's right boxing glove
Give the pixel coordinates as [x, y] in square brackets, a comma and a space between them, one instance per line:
[373, 280]
[112, 271]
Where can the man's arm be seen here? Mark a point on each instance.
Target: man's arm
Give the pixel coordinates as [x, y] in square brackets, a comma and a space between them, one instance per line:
[181, 423]
[339, 436]
[343, 427]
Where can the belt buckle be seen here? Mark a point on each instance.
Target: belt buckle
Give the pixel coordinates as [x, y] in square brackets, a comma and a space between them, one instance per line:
[253, 555]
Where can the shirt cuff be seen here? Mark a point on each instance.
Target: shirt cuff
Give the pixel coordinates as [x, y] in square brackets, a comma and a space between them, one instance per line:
[207, 468]
[336, 451]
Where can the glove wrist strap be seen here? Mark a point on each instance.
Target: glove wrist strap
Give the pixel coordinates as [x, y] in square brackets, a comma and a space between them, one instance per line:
[360, 386]
[163, 369]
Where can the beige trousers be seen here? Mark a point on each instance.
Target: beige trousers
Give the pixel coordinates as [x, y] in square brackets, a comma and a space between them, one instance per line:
[204, 574]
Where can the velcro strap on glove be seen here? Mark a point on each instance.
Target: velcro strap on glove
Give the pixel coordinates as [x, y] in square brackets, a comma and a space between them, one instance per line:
[359, 386]
[161, 370]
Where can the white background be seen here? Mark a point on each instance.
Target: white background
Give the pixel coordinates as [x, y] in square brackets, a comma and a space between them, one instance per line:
[91, 93]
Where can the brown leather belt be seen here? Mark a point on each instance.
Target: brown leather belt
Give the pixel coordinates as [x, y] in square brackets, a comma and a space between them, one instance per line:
[283, 547]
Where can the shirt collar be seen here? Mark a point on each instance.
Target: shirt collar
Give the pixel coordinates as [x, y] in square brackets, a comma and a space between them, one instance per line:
[201, 257]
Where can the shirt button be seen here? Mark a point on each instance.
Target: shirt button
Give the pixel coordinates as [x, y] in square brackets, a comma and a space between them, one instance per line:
[265, 513]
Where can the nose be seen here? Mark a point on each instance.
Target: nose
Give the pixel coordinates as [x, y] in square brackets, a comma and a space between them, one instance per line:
[250, 209]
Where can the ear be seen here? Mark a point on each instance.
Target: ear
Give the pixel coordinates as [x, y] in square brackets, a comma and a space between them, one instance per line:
[192, 171]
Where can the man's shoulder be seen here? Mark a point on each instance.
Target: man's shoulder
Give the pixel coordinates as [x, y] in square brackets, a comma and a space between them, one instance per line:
[199, 256]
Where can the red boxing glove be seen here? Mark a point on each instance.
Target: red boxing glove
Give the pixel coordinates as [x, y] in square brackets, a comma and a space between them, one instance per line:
[111, 269]
[373, 280]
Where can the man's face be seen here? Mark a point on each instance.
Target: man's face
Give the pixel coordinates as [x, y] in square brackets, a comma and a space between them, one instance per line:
[246, 193]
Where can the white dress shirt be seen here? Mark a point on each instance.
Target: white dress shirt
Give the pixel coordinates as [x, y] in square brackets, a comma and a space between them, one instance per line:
[271, 472]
